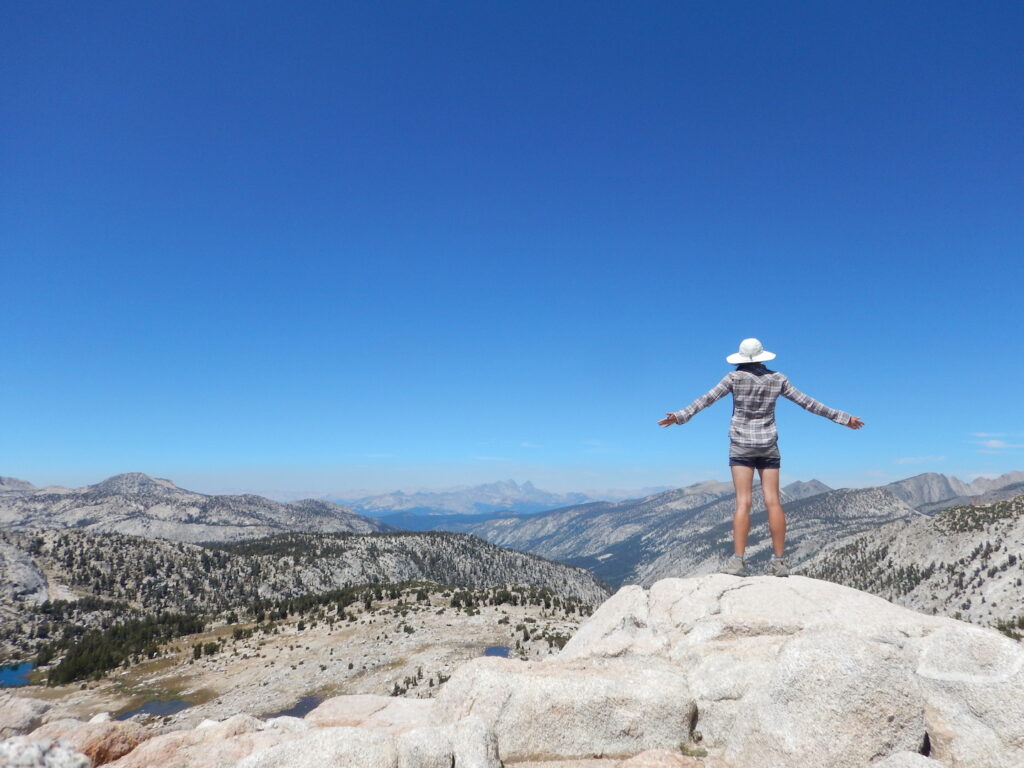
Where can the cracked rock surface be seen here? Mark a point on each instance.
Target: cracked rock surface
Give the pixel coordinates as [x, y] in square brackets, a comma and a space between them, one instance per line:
[708, 672]
[799, 671]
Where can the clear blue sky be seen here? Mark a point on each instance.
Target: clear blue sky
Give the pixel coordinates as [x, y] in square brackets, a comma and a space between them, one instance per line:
[311, 247]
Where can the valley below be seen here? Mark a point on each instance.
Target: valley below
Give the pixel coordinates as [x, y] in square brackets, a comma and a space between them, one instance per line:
[128, 612]
[406, 644]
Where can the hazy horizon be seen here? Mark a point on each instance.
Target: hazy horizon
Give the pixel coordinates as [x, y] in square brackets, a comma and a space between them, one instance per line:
[207, 485]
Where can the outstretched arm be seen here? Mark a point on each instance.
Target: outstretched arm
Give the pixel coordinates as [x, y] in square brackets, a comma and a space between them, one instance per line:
[719, 391]
[809, 403]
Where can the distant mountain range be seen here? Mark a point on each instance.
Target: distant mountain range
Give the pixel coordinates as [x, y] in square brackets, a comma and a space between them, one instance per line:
[507, 496]
[132, 539]
[460, 508]
[141, 505]
[680, 532]
[620, 541]
[931, 489]
[687, 531]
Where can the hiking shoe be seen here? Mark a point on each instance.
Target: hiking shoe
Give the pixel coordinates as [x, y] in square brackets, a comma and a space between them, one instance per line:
[736, 566]
[778, 567]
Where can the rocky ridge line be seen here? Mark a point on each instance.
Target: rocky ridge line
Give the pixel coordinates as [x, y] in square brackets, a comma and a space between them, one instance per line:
[140, 505]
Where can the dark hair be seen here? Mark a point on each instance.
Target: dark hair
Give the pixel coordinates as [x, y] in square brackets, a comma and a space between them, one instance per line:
[759, 369]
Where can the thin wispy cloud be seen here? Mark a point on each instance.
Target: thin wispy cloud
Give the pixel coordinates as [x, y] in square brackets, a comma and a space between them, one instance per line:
[489, 458]
[988, 434]
[526, 444]
[992, 446]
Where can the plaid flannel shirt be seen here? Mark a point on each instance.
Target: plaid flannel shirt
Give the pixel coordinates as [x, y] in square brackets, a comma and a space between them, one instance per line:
[753, 410]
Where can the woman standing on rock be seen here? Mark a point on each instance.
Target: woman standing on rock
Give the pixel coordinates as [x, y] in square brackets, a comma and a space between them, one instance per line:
[753, 442]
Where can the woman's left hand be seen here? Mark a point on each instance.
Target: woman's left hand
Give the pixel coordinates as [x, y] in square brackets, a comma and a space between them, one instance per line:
[669, 420]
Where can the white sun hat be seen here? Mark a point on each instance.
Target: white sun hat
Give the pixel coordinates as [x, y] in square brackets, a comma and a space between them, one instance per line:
[751, 351]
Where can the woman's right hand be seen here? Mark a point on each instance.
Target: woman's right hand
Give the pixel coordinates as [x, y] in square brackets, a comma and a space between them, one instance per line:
[854, 423]
[669, 420]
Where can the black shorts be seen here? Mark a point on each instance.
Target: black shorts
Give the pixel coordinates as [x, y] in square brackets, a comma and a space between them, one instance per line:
[756, 462]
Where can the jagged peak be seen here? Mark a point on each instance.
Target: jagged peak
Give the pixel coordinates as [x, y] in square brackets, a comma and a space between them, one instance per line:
[923, 475]
[501, 485]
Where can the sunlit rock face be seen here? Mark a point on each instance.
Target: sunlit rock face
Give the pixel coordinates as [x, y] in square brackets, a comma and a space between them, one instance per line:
[714, 671]
[799, 671]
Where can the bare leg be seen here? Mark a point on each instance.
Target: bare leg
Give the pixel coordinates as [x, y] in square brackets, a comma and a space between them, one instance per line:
[776, 517]
[743, 481]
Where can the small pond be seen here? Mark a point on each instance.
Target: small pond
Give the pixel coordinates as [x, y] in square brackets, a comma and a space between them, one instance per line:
[158, 708]
[497, 650]
[301, 708]
[15, 674]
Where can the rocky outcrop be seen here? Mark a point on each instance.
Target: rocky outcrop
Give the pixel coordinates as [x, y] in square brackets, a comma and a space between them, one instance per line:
[27, 752]
[798, 671]
[907, 760]
[20, 715]
[382, 712]
[745, 672]
[101, 740]
[21, 580]
[572, 709]
[379, 731]
[466, 743]
[660, 758]
[213, 744]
